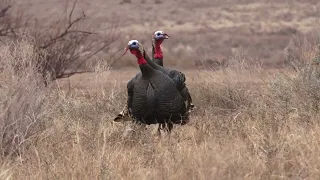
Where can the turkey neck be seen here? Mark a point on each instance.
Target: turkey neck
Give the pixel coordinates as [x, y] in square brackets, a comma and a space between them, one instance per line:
[145, 68]
[157, 54]
[153, 64]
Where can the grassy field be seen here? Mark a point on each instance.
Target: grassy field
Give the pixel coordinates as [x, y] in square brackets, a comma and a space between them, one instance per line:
[256, 117]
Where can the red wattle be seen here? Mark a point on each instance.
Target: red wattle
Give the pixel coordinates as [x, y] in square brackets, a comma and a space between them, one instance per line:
[158, 54]
[141, 60]
[139, 56]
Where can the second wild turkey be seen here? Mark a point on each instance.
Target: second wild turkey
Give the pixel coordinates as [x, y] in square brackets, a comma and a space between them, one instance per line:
[153, 97]
[157, 56]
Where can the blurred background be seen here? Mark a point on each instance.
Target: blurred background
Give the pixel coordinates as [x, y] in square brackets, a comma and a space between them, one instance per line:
[203, 32]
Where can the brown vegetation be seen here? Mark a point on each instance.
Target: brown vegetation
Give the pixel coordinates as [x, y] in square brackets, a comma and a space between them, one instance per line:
[202, 32]
[252, 122]
[64, 45]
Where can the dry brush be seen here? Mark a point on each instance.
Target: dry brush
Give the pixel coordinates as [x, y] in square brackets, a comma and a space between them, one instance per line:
[67, 45]
[249, 124]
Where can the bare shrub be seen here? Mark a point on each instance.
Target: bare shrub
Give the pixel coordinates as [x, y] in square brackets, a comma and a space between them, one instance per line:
[23, 96]
[303, 51]
[222, 97]
[10, 23]
[67, 44]
[299, 94]
[72, 45]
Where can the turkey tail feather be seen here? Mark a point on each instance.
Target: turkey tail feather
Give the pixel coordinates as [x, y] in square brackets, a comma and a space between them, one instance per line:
[123, 115]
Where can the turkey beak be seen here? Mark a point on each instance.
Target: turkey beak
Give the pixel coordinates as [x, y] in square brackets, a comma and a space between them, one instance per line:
[125, 51]
[166, 36]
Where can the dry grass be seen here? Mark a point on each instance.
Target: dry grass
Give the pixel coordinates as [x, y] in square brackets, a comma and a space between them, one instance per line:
[251, 123]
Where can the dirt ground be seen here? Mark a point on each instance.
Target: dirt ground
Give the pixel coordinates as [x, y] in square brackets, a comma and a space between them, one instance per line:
[202, 31]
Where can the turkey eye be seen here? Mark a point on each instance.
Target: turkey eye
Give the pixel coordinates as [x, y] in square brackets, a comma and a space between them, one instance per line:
[134, 43]
[158, 34]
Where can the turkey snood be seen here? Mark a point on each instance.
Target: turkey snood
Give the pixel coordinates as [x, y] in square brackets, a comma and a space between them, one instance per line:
[158, 54]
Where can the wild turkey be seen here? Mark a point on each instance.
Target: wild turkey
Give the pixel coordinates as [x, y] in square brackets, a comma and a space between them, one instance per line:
[157, 55]
[152, 96]
[157, 38]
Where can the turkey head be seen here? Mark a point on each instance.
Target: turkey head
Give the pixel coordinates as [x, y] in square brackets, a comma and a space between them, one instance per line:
[158, 37]
[136, 48]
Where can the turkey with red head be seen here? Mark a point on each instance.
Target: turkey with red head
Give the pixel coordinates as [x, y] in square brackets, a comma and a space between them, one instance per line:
[157, 55]
[153, 96]
[157, 38]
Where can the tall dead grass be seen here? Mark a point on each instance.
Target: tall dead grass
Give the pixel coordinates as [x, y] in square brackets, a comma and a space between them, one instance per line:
[249, 125]
[24, 106]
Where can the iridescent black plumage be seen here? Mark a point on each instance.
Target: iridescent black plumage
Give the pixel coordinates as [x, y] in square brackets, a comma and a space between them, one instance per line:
[153, 97]
[176, 76]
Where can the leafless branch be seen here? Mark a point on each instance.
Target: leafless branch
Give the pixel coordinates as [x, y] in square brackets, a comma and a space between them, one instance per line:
[67, 30]
[4, 11]
[64, 45]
